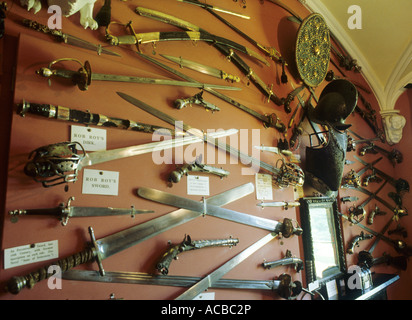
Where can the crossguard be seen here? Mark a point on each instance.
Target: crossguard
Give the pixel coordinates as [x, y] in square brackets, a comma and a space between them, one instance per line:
[119, 40]
[273, 122]
[82, 78]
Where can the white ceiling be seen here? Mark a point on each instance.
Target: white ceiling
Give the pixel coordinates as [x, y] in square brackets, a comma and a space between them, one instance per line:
[383, 45]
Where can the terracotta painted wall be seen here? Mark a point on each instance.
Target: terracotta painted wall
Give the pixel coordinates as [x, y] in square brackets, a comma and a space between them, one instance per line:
[28, 51]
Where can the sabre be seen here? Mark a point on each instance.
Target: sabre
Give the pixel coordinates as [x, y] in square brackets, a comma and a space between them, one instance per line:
[59, 163]
[84, 77]
[210, 7]
[67, 38]
[65, 211]
[112, 244]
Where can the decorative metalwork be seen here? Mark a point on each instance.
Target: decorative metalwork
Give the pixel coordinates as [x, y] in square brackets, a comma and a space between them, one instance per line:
[313, 50]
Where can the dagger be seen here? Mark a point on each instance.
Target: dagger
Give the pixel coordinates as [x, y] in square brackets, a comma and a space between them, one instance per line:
[210, 7]
[60, 162]
[84, 77]
[286, 205]
[67, 38]
[196, 66]
[112, 244]
[66, 211]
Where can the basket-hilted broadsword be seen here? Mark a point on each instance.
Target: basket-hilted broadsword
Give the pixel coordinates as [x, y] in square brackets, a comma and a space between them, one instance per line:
[67, 38]
[65, 211]
[112, 244]
[62, 113]
[84, 76]
[281, 285]
[60, 162]
[286, 175]
[196, 66]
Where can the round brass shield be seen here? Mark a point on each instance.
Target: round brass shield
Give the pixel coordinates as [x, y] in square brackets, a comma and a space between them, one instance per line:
[313, 50]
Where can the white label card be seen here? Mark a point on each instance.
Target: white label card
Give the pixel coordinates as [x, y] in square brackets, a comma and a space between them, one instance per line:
[264, 189]
[100, 182]
[197, 185]
[30, 253]
[92, 139]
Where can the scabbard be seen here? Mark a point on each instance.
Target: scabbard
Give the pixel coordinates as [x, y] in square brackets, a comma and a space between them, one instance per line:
[86, 117]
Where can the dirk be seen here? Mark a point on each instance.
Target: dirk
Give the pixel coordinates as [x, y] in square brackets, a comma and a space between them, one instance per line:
[284, 262]
[188, 244]
[117, 242]
[59, 163]
[284, 204]
[67, 38]
[177, 174]
[66, 211]
[355, 241]
[210, 7]
[211, 71]
[85, 117]
[274, 150]
[84, 77]
[196, 99]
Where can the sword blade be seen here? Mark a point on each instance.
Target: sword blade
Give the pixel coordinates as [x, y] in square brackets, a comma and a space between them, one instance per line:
[117, 242]
[220, 272]
[109, 211]
[130, 79]
[211, 210]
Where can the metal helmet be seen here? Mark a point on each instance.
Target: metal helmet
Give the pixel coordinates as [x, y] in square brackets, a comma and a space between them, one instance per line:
[336, 102]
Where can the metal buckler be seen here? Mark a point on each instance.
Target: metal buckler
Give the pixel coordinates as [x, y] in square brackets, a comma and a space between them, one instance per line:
[55, 164]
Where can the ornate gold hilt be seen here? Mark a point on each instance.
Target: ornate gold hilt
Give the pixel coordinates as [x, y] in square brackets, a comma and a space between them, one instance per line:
[124, 39]
[82, 78]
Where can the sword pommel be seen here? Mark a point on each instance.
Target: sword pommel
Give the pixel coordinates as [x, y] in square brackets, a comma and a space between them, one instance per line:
[287, 229]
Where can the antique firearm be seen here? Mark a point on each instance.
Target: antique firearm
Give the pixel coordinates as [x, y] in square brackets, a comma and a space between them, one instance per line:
[374, 213]
[196, 99]
[65, 211]
[112, 244]
[298, 263]
[67, 38]
[60, 162]
[177, 174]
[287, 174]
[355, 241]
[188, 244]
[84, 77]
[85, 117]
[211, 71]
[365, 259]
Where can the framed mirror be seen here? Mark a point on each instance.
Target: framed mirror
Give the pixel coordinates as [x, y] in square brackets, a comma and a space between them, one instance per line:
[322, 239]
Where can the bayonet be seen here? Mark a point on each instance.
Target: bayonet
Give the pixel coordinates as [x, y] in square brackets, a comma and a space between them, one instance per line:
[214, 8]
[188, 244]
[211, 71]
[286, 205]
[84, 76]
[280, 286]
[205, 208]
[176, 175]
[269, 121]
[65, 211]
[355, 241]
[287, 174]
[86, 117]
[211, 278]
[289, 259]
[196, 99]
[112, 244]
[67, 38]
[59, 163]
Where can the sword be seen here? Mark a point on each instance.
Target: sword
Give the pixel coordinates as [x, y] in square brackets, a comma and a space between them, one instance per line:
[288, 174]
[286, 228]
[278, 286]
[66, 211]
[85, 117]
[67, 38]
[284, 204]
[211, 71]
[60, 162]
[210, 7]
[84, 77]
[112, 244]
